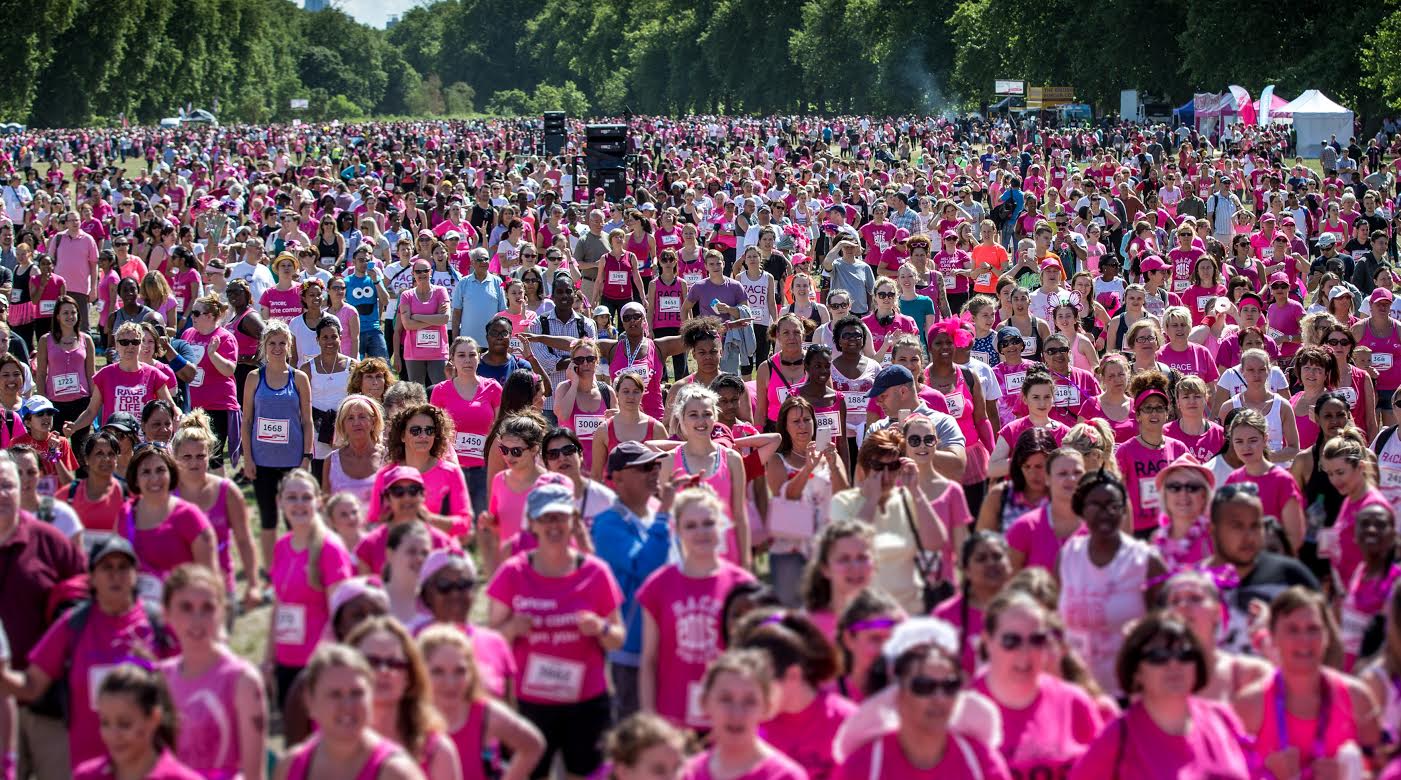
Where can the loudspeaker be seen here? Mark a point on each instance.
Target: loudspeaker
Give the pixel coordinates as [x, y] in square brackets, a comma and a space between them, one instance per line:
[606, 141]
[614, 182]
[556, 132]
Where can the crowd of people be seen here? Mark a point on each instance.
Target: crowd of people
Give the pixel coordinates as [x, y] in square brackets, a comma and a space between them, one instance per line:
[830, 448]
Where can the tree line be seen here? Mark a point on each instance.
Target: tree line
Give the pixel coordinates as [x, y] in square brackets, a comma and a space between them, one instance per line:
[77, 62]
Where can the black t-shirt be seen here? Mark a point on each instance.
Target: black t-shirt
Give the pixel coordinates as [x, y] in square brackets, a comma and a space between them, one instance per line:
[1271, 576]
[481, 219]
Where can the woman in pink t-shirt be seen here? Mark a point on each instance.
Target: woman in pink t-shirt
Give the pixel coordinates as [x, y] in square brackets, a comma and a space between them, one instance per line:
[423, 320]
[842, 567]
[985, 568]
[165, 531]
[1035, 538]
[736, 695]
[124, 386]
[1037, 392]
[478, 724]
[518, 439]
[307, 563]
[1143, 456]
[284, 301]
[1167, 732]
[681, 612]
[45, 288]
[1279, 493]
[808, 711]
[1047, 723]
[213, 387]
[1183, 536]
[1345, 460]
[219, 696]
[137, 698]
[559, 610]
[471, 403]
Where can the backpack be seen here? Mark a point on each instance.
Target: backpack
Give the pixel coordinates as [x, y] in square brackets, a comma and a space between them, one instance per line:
[54, 702]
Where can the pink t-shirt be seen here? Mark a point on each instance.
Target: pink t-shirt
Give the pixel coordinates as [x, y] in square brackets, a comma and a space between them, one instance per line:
[559, 665]
[968, 621]
[494, 661]
[159, 550]
[127, 391]
[471, 418]
[1014, 430]
[373, 548]
[74, 260]
[1032, 536]
[1340, 542]
[1203, 446]
[1277, 488]
[211, 389]
[444, 493]
[687, 613]
[807, 736]
[776, 766]
[1140, 464]
[1195, 360]
[507, 506]
[302, 612]
[167, 767]
[105, 642]
[282, 304]
[430, 343]
[184, 286]
[1045, 738]
[965, 758]
[879, 333]
[1210, 749]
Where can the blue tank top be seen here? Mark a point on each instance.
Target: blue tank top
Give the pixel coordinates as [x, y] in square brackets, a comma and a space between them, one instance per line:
[277, 423]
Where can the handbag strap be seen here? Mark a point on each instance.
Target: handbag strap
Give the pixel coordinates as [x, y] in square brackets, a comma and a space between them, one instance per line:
[920, 552]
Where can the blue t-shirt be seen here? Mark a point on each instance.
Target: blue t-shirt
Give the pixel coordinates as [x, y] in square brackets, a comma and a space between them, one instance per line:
[499, 373]
[362, 293]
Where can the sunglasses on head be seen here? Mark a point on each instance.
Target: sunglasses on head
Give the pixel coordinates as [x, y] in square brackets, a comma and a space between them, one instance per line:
[922, 686]
[399, 491]
[561, 452]
[1036, 640]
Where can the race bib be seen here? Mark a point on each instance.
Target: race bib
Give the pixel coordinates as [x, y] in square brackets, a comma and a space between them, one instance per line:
[274, 431]
[1148, 494]
[198, 380]
[1180, 285]
[855, 401]
[982, 357]
[1030, 346]
[515, 345]
[1330, 543]
[782, 393]
[586, 425]
[556, 679]
[955, 402]
[15, 295]
[427, 338]
[695, 714]
[290, 626]
[129, 399]
[983, 280]
[198, 358]
[326, 262]
[1201, 304]
[949, 281]
[1067, 395]
[47, 485]
[469, 445]
[1381, 361]
[1390, 477]
[46, 307]
[1274, 334]
[96, 674]
[692, 279]
[150, 588]
[669, 304]
[829, 421]
[1012, 383]
[64, 384]
[179, 302]
[1348, 393]
[617, 278]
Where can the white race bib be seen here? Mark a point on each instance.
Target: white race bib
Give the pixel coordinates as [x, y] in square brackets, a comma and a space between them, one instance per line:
[949, 281]
[198, 381]
[1013, 382]
[469, 445]
[96, 674]
[1349, 394]
[782, 393]
[956, 403]
[1067, 395]
[1148, 494]
[273, 431]
[586, 425]
[515, 345]
[1390, 477]
[1180, 285]
[695, 714]
[617, 278]
[1029, 348]
[63, 384]
[427, 338]
[556, 679]
[179, 302]
[982, 357]
[692, 279]
[1381, 361]
[983, 280]
[855, 401]
[290, 626]
[829, 421]
[669, 304]
[1275, 335]
[46, 307]
[15, 295]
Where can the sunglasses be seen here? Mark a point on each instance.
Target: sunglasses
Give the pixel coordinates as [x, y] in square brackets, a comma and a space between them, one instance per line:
[423, 430]
[382, 664]
[455, 586]
[842, 305]
[886, 295]
[923, 687]
[561, 452]
[885, 465]
[129, 342]
[423, 272]
[1037, 640]
[199, 312]
[514, 452]
[1184, 487]
[528, 257]
[634, 317]
[928, 440]
[1057, 350]
[585, 360]
[1338, 343]
[399, 491]
[1160, 656]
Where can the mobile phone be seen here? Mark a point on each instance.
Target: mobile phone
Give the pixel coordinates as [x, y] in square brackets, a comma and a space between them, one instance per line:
[824, 438]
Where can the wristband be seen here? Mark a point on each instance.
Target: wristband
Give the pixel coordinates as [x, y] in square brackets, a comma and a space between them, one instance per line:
[308, 455]
[178, 362]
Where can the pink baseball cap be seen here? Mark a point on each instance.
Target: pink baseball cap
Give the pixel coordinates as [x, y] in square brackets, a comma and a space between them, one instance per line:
[402, 474]
[1151, 263]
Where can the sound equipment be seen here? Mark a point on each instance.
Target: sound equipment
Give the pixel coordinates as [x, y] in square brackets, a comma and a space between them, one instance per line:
[556, 132]
[605, 153]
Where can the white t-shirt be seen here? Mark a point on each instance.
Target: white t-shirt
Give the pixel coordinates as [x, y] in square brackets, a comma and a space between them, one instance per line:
[1233, 383]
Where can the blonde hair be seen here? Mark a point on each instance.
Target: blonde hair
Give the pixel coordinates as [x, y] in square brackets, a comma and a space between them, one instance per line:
[355, 401]
[272, 328]
[697, 498]
[437, 637]
[1094, 436]
[193, 427]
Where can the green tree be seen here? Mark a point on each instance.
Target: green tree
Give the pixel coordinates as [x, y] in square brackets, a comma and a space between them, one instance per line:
[509, 102]
[458, 97]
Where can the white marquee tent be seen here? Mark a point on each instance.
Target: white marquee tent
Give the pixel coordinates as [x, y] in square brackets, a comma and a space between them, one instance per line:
[1316, 118]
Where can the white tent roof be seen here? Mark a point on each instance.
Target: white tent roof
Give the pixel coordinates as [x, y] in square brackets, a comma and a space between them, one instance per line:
[1313, 102]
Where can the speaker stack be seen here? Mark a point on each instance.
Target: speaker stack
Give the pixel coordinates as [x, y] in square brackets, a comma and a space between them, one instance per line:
[605, 154]
[556, 133]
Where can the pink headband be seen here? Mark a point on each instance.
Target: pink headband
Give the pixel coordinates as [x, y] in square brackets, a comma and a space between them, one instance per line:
[865, 625]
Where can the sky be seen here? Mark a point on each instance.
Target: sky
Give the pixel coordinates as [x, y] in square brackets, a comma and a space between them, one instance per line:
[375, 12]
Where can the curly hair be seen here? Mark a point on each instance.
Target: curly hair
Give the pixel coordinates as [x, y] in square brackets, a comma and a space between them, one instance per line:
[399, 427]
[365, 367]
